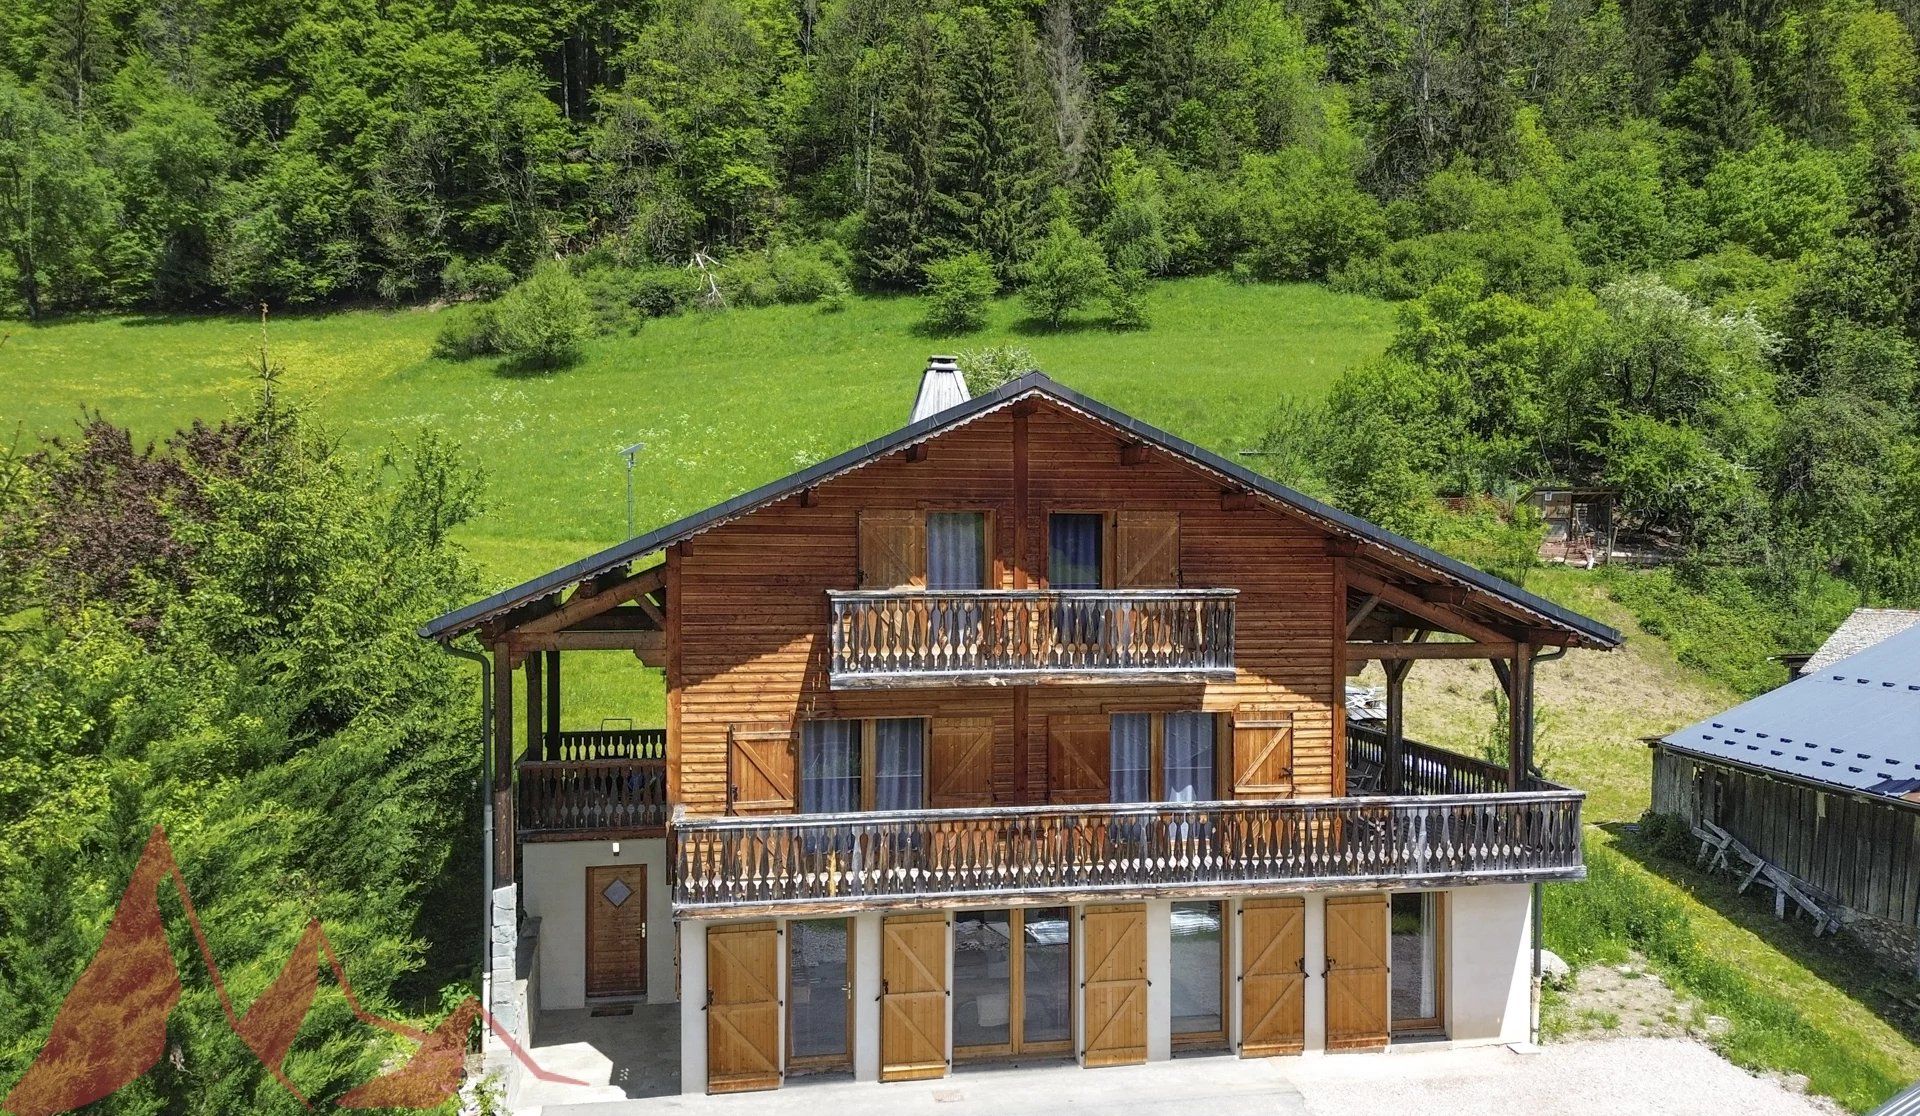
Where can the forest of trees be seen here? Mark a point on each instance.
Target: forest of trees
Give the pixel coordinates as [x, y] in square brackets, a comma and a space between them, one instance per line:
[1661, 245]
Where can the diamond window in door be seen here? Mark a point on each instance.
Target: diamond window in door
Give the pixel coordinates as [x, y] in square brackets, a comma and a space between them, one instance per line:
[617, 892]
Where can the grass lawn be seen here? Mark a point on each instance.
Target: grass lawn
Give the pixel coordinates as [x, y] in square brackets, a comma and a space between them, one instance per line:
[724, 401]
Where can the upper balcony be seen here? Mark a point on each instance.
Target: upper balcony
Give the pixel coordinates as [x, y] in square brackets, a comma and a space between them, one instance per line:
[910, 637]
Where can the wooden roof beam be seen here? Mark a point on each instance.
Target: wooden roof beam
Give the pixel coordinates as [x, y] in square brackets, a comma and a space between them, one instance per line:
[1404, 652]
[584, 604]
[1438, 615]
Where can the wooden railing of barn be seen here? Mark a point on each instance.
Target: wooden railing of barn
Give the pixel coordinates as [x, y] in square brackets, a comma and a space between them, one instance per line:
[884, 638]
[794, 863]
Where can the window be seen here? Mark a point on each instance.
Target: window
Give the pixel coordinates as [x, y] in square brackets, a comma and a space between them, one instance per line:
[1415, 960]
[956, 550]
[1199, 972]
[863, 765]
[1074, 550]
[1163, 757]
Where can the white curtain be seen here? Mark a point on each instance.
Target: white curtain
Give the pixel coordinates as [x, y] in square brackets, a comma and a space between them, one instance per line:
[829, 767]
[956, 550]
[1131, 757]
[899, 763]
[1189, 757]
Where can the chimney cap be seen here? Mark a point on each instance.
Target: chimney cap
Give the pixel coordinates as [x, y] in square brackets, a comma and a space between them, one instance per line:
[941, 386]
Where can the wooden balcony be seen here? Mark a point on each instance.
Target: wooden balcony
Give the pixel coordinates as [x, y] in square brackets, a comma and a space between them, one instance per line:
[895, 638]
[1424, 769]
[931, 858]
[598, 784]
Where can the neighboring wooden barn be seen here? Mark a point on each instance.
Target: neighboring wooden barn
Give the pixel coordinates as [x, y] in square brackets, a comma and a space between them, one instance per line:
[1820, 778]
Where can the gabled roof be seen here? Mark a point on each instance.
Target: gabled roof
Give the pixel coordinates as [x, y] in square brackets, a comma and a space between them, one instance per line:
[1854, 725]
[1527, 606]
[1859, 631]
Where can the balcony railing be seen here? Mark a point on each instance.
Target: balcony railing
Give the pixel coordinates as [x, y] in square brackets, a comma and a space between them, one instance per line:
[1424, 769]
[794, 863]
[593, 798]
[608, 744]
[887, 638]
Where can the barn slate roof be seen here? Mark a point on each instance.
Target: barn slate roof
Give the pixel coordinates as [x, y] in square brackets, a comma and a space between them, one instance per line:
[1854, 725]
[1863, 628]
[1586, 631]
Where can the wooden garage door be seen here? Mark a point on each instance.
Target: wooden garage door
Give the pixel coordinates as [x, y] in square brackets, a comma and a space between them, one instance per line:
[743, 1007]
[1116, 985]
[1356, 972]
[617, 930]
[1273, 977]
[913, 997]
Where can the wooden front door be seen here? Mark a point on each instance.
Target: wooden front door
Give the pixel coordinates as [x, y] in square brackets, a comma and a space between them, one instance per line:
[743, 1007]
[617, 930]
[1273, 977]
[913, 997]
[1116, 985]
[1356, 972]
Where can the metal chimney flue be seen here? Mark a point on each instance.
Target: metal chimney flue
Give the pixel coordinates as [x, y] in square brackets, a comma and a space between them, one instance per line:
[941, 386]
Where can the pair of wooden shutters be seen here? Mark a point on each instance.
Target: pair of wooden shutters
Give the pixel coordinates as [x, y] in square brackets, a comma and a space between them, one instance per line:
[1080, 750]
[893, 549]
[763, 765]
[1273, 974]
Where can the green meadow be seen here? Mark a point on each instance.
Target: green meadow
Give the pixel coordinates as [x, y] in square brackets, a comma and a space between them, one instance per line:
[724, 401]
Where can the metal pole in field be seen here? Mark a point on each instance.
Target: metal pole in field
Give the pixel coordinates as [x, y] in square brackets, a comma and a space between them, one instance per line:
[630, 453]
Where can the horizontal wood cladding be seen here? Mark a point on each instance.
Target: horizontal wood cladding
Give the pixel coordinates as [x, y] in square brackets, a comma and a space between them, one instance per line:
[752, 611]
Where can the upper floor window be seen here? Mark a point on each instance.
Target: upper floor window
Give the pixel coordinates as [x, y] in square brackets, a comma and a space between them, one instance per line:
[957, 550]
[1163, 757]
[1076, 544]
[862, 765]
[907, 548]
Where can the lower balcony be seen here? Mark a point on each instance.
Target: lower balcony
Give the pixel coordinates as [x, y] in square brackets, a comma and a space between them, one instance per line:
[794, 864]
[595, 785]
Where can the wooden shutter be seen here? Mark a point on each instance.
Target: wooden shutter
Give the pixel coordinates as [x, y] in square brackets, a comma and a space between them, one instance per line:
[1146, 550]
[1262, 752]
[617, 930]
[761, 769]
[960, 762]
[1079, 758]
[1356, 972]
[893, 548]
[743, 1007]
[1116, 985]
[1273, 977]
[913, 997]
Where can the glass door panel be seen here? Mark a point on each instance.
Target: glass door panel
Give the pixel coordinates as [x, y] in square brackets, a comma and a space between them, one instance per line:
[1198, 962]
[983, 981]
[1046, 999]
[818, 994]
[1416, 961]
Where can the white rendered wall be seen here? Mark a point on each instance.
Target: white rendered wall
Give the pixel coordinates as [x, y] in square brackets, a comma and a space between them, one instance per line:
[866, 996]
[693, 1007]
[553, 887]
[1489, 965]
[1159, 980]
[1314, 914]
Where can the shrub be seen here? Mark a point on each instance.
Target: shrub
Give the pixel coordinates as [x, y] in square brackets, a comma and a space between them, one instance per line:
[464, 278]
[623, 297]
[784, 274]
[959, 290]
[465, 332]
[1127, 299]
[988, 368]
[542, 321]
[1065, 272]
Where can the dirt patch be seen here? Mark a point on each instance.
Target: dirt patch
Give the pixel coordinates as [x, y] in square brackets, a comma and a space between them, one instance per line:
[1629, 1001]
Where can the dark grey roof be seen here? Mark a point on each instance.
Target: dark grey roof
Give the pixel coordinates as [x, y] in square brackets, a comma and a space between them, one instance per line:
[1033, 384]
[1863, 628]
[1902, 1104]
[1854, 725]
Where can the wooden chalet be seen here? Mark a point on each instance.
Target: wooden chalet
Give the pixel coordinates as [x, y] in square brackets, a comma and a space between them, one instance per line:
[1020, 732]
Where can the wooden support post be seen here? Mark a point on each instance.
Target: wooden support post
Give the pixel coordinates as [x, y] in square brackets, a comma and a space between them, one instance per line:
[504, 870]
[553, 704]
[1391, 759]
[1520, 716]
[1023, 790]
[536, 707]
